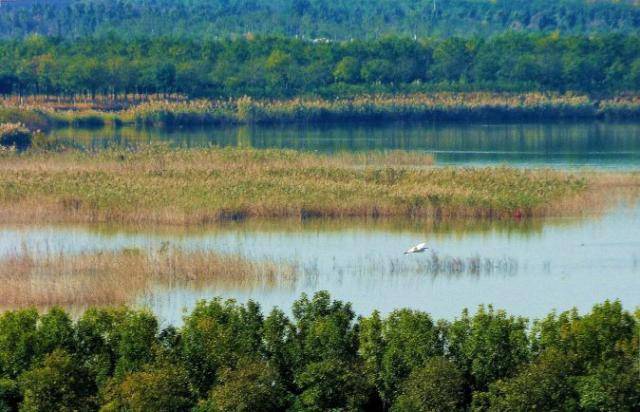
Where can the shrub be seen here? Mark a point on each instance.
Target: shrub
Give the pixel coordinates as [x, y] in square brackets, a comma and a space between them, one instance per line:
[437, 386]
[162, 387]
[253, 386]
[59, 384]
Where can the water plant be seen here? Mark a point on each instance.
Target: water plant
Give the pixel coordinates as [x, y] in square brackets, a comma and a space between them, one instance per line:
[44, 279]
[178, 111]
[196, 186]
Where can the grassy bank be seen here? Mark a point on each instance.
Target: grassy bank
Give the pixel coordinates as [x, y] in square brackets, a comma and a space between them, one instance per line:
[235, 357]
[162, 186]
[413, 107]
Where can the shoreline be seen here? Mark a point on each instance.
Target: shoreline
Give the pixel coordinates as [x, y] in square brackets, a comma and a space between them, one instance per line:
[419, 107]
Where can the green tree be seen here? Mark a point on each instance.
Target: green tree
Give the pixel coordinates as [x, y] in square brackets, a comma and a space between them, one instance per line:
[436, 386]
[59, 384]
[216, 335]
[331, 385]
[158, 387]
[544, 385]
[253, 386]
[347, 70]
[488, 346]
[10, 396]
[18, 341]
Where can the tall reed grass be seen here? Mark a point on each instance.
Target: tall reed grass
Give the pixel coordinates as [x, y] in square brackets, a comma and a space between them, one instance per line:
[245, 110]
[157, 185]
[44, 279]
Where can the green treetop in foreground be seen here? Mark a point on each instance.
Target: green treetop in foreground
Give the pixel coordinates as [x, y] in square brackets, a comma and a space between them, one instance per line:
[232, 357]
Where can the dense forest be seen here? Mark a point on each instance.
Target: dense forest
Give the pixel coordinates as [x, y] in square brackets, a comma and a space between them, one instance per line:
[231, 357]
[275, 67]
[338, 20]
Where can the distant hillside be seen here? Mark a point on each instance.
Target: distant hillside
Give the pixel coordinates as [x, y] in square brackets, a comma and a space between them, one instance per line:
[333, 19]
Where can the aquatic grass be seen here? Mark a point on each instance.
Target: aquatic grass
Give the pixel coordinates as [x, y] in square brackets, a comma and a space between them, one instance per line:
[157, 185]
[34, 278]
[434, 264]
[178, 111]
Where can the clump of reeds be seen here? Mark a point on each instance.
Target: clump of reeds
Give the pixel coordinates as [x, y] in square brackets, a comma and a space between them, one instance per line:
[157, 185]
[118, 277]
[245, 110]
[434, 264]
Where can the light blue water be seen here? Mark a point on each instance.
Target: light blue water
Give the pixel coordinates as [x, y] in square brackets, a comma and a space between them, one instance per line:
[553, 263]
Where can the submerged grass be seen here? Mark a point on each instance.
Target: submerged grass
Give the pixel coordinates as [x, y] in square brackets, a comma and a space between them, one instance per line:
[119, 277]
[157, 185]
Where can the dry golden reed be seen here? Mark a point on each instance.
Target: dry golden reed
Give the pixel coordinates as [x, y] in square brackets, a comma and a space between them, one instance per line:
[118, 277]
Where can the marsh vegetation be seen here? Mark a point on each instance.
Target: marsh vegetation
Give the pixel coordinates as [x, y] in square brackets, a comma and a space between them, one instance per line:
[159, 185]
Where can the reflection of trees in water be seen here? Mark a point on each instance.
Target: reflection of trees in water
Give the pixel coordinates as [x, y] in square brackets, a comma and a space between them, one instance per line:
[497, 142]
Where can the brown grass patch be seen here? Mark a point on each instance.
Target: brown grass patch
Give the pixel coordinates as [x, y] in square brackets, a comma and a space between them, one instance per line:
[108, 278]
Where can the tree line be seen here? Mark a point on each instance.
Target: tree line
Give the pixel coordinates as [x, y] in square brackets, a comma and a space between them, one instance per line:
[334, 19]
[275, 67]
[231, 357]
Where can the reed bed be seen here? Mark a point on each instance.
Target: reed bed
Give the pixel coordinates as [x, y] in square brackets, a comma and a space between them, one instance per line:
[118, 277]
[42, 114]
[434, 265]
[157, 185]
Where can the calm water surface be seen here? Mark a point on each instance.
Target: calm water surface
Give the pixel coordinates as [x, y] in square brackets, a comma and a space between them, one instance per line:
[605, 145]
[528, 268]
[552, 263]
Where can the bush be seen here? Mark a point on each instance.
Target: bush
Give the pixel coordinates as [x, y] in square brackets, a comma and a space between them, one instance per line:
[437, 386]
[253, 386]
[157, 388]
[59, 384]
[227, 357]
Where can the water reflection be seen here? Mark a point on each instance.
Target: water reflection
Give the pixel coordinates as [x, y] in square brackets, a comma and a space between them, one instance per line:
[537, 266]
[614, 145]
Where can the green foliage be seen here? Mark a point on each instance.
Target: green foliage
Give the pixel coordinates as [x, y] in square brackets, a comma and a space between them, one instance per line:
[59, 384]
[10, 396]
[18, 342]
[227, 357]
[544, 385]
[315, 18]
[161, 387]
[488, 346]
[215, 336]
[331, 385]
[436, 386]
[253, 386]
[392, 349]
[281, 67]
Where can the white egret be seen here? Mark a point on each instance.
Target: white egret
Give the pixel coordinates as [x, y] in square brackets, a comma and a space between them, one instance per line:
[422, 247]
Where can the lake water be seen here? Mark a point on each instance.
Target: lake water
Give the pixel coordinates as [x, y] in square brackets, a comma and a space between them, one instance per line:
[602, 145]
[527, 268]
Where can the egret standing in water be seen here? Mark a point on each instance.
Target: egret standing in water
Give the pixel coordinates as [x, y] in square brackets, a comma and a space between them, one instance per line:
[420, 248]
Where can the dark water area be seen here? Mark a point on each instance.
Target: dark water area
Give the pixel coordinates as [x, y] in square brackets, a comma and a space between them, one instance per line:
[593, 145]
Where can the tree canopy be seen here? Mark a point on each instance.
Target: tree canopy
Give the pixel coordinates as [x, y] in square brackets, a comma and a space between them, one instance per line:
[333, 19]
